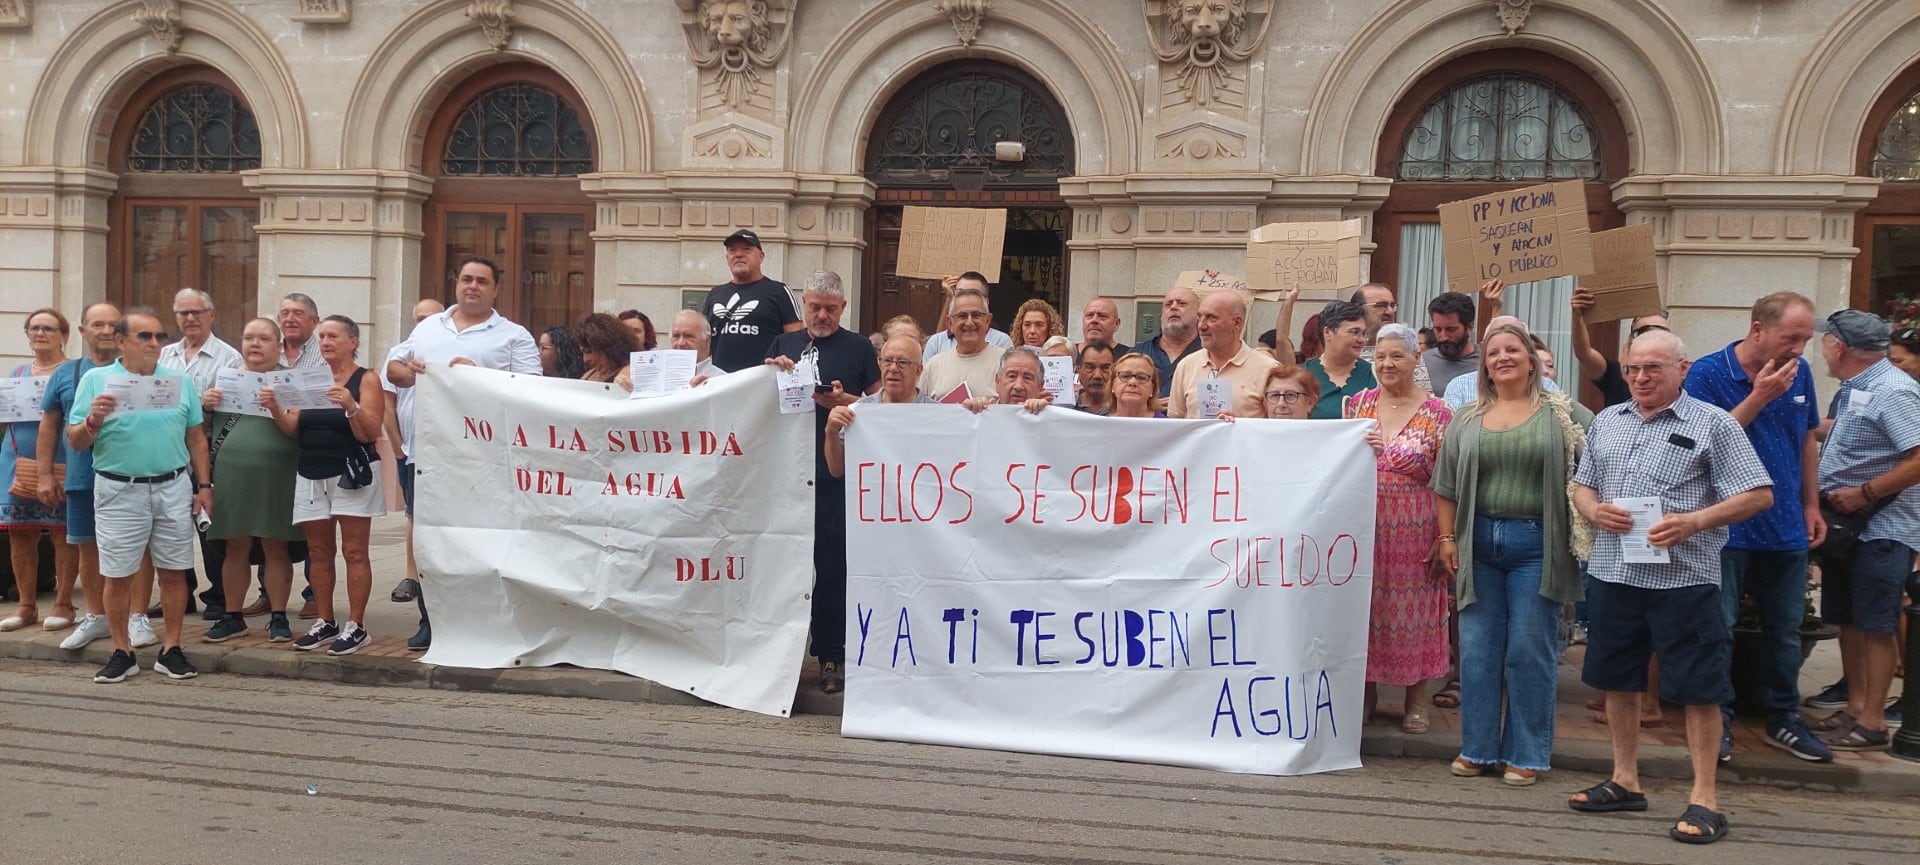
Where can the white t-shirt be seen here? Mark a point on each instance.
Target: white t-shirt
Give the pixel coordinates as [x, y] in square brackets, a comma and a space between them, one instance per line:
[949, 368]
[494, 344]
[213, 356]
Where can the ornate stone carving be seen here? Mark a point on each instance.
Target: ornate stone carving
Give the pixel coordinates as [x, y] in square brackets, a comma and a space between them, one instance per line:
[736, 44]
[1203, 46]
[1200, 141]
[13, 14]
[732, 142]
[495, 18]
[967, 16]
[1513, 14]
[324, 11]
[163, 18]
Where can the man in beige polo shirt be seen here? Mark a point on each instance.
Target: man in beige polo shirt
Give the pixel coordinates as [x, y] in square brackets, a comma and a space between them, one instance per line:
[1226, 376]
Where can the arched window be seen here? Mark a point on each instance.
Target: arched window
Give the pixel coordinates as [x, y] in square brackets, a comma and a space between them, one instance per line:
[1501, 126]
[195, 128]
[1481, 124]
[935, 143]
[182, 216]
[518, 130]
[1886, 274]
[507, 147]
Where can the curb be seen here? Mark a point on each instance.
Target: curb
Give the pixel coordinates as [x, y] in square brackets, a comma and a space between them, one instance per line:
[1571, 758]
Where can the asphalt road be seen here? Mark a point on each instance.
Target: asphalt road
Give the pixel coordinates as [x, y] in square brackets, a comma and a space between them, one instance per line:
[260, 770]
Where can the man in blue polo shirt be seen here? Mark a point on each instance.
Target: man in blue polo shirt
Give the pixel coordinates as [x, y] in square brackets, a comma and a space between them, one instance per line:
[151, 478]
[1767, 386]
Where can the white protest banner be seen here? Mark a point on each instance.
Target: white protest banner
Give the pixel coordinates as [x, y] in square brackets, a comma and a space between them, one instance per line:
[558, 522]
[1185, 592]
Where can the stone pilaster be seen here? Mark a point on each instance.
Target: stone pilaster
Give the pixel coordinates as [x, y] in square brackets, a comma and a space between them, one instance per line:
[53, 226]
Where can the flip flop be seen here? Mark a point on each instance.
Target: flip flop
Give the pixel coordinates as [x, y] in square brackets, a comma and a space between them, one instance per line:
[1608, 796]
[1712, 826]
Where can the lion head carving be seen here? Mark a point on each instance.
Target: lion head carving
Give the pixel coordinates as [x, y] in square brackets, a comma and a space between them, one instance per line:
[733, 25]
[1191, 22]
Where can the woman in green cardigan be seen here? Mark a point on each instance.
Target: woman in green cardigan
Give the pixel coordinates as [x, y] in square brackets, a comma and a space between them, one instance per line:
[1506, 533]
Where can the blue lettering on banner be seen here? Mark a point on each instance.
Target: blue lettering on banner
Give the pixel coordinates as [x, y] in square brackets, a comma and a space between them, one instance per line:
[904, 634]
[1310, 719]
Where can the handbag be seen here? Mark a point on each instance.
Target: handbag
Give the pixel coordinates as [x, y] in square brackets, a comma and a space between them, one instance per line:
[1844, 530]
[359, 467]
[26, 474]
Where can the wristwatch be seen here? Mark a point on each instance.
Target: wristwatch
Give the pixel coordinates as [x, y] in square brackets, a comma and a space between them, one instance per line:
[199, 487]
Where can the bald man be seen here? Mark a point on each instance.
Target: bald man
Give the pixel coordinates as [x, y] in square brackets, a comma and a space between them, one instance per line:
[1224, 357]
[1178, 335]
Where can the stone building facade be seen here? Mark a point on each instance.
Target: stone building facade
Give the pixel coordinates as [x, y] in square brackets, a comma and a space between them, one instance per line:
[351, 149]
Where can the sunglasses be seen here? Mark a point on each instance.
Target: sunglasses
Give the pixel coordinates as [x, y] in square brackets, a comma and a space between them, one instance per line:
[149, 335]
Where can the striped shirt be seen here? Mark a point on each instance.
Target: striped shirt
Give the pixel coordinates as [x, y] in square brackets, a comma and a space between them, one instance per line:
[1689, 455]
[1876, 422]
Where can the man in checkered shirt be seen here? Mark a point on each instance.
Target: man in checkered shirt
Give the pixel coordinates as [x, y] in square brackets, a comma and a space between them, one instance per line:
[1695, 459]
[1871, 463]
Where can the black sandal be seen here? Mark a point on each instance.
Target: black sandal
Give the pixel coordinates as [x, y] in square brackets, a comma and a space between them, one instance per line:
[1712, 826]
[1607, 796]
[1449, 696]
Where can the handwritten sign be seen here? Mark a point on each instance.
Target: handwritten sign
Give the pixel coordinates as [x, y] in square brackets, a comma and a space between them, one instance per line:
[1322, 259]
[1172, 599]
[1202, 281]
[1518, 236]
[614, 534]
[1625, 283]
[948, 241]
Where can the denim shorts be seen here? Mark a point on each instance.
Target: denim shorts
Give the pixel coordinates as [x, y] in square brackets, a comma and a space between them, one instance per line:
[1685, 628]
[1865, 592]
[79, 516]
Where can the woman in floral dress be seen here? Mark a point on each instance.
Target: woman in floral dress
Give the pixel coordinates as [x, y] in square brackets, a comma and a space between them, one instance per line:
[1407, 634]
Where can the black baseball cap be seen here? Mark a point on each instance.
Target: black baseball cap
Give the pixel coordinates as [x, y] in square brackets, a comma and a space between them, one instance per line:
[744, 236]
[1855, 329]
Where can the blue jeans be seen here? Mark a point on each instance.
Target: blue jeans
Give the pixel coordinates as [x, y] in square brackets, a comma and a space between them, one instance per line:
[1777, 581]
[1507, 650]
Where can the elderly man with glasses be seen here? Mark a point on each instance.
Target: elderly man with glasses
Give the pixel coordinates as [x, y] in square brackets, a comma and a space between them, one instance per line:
[201, 355]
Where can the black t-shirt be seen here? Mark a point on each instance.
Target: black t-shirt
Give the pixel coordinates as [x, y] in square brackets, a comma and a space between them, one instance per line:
[845, 357]
[1612, 385]
[746, 318]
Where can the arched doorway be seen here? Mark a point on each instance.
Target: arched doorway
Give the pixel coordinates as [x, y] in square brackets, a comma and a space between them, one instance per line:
[934, 145]
[181, 217]
[506, 150]
[1484, 123]
[1888, 229]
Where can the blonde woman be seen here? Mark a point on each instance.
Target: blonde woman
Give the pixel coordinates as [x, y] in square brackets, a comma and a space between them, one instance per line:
[1507, 535]
[1035, 322]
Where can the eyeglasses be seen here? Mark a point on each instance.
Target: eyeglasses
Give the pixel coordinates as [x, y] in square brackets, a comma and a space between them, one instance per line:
[1635, 369]
[896, 361]
[42, 328]
[1133, 376]
[191, 312]
[969, 316]
[1289, 397]
[149, 335]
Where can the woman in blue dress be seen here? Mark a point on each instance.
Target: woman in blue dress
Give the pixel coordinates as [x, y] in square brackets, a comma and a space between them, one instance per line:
[26, 516]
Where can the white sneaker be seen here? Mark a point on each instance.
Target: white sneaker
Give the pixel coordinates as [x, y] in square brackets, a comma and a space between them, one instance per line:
[93, 627]
[141, 631]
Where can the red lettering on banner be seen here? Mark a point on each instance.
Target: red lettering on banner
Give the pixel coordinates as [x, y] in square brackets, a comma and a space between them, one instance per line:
[1301, 561]
[1022, 495]
[476, 429]
[953, 477]
[542, 482]
[709, 569]
[568, 441]
[683, 442]
[651, 484]
[519, 436]
[1229, 489]
[894, 493]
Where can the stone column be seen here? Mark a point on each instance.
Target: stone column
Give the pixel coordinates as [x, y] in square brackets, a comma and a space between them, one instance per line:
[53, 226]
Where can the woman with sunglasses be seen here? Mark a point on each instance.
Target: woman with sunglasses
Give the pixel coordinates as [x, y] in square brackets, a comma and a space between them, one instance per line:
[26, 516]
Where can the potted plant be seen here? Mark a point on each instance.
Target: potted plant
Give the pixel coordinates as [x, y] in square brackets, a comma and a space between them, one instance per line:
[1748, 689]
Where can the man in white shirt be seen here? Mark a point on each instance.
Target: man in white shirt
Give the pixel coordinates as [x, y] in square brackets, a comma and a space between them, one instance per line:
[944, 339]
[200, 355]
[471, 333]
[972, 361]
[299, 343]
[690, 331]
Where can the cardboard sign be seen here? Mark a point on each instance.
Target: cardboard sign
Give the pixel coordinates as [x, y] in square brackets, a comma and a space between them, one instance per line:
[1322, 259]
[1624, 283]
[948, 241]
[1156, 591]
[1518, 236]
[1202, 281]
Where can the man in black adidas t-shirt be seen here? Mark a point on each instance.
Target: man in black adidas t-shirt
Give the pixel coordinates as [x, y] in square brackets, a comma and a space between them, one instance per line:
[747, 313]
[849, 369]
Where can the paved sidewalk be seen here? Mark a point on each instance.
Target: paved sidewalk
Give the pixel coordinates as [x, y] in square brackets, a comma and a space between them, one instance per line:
[1581, 752]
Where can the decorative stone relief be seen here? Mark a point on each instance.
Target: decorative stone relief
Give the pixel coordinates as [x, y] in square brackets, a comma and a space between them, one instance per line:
[162, 17]
[967, 16]
[1203, 47]
[13, 14]
[737, 44]
[324, 12]
[495, 18]
[1513, 14]
[731, 142]
[1200, 140]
